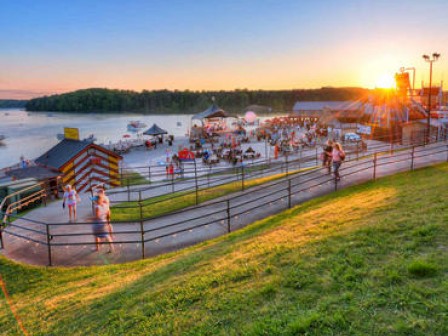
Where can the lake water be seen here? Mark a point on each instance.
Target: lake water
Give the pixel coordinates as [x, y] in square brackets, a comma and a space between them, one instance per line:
[32, 133]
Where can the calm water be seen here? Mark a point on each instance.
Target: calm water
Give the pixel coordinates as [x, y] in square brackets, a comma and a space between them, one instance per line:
[32, 133]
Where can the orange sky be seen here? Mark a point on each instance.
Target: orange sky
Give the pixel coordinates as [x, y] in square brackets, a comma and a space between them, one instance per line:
[284, 45]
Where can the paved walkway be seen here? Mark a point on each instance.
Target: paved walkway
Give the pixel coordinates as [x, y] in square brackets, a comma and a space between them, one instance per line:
[195, 224]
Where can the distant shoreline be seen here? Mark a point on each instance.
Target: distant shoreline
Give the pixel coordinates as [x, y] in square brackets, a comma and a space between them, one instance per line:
[164, 102]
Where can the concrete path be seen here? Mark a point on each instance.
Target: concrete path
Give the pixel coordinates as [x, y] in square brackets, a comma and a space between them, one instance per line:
[192, 225]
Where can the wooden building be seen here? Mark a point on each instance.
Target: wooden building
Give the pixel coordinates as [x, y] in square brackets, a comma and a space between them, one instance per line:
[82, 163]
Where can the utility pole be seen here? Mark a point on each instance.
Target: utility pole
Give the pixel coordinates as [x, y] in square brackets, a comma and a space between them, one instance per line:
[434, 57]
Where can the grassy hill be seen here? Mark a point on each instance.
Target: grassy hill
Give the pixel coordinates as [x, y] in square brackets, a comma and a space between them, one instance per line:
[369, 260]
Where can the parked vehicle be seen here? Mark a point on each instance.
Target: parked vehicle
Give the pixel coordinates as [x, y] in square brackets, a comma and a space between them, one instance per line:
[352, 137]
[135, 126]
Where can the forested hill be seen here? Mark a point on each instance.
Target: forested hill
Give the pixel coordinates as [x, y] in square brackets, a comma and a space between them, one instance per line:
[12, 103]
[164, 101]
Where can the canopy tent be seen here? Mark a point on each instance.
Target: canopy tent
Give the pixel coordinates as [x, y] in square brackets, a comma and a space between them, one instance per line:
[155, 130]
[185, 155]
[214, 111]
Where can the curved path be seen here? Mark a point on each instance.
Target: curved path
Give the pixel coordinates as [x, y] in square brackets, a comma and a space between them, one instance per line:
[195, 224]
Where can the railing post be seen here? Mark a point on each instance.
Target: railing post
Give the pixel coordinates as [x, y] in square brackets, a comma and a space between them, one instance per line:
[242, 176]
[374, 166]
[317, 162]
[287, 164]
[412, 157]
[357, 151]
[129, 192]
[2, 243]
[141, 223]
[335, 183]
[208, 176]
[172, 182]
[289, 193]
[447, 153]
[196, 181]
[49, 238]
[149, 173]
[228, 216]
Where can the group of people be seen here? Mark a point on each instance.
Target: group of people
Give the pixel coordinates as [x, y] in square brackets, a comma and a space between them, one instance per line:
[333, 155]
[102, 228]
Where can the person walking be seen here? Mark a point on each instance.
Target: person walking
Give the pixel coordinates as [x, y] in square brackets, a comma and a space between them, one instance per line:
[327, 155]
[337, 155]
[102, 229]
[70, 199]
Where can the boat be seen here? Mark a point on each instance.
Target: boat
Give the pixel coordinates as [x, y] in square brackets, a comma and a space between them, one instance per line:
[136, 125]
[90, 138]
[179, 124]
[2, 137]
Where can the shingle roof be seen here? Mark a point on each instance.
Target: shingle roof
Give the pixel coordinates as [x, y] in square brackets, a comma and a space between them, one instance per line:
[39, 173]
[348, 105]
[60, 154]
[212, 112]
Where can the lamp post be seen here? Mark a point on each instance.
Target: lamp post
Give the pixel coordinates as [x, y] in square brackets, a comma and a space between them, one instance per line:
[430, 59]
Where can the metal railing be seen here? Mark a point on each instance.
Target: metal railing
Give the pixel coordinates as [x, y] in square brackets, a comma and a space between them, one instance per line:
[153, 235]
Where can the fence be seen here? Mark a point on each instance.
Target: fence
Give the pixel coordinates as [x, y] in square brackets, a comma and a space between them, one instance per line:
[68, 244]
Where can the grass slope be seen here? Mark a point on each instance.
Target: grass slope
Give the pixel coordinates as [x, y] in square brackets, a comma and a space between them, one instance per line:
[369, 260]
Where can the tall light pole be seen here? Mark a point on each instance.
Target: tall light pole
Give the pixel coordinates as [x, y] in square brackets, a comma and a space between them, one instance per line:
[434, 57]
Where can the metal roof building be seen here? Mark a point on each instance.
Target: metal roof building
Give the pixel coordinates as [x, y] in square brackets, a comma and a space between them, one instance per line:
[214, 111]
[319, 106]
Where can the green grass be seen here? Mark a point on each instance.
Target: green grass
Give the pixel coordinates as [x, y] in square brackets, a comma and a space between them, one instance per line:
[167, 203]
[133, 178]
[369, 260]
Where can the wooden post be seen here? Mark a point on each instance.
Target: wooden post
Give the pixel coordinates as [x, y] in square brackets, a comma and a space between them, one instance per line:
[412, 157]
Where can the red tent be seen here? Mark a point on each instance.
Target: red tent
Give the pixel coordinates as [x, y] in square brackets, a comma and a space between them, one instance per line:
[185, 155]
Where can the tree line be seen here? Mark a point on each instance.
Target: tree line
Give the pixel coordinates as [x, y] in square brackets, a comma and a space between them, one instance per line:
[12, 103]
[165, 101]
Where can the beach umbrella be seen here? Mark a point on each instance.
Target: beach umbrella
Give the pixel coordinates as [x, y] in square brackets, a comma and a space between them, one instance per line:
[126, 136]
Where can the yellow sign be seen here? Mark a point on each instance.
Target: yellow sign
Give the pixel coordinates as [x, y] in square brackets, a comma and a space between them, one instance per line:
[71, 133]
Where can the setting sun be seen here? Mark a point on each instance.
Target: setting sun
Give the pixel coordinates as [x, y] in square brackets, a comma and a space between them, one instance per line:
[385, 81]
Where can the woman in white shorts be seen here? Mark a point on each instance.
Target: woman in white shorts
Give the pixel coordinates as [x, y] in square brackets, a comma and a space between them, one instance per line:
[70, 199]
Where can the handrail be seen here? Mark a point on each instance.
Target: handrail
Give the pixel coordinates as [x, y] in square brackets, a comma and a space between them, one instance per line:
[222, 212]
[35, 196]
[2, 204]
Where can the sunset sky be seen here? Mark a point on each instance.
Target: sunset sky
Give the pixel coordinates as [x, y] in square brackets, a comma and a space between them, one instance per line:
[57, 46]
